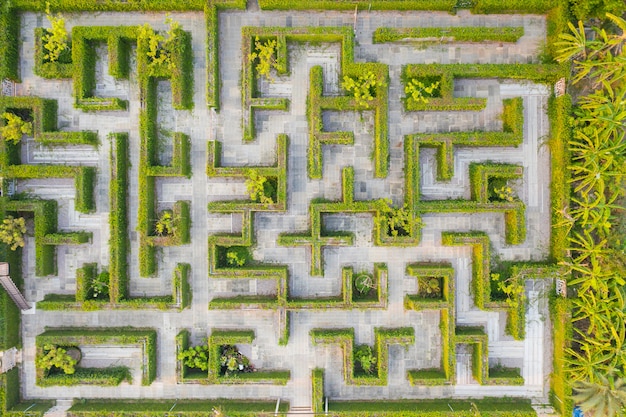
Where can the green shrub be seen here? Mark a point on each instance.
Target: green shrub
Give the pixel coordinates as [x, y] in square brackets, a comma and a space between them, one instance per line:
[14, 128]
[444, 5]
[56, 357]
[443, 34]
[9, 41]
[317, 396]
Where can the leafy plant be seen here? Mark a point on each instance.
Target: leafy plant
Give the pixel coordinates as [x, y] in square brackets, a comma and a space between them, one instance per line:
[512, 288]
[430, 287]
[233, 361]
[55, 39]
[364, 283]
[15, 127]
[605, 398]
[100, 285]
[196, 357]
[159, 45]
[259, 187]
[505, 193]
[56, 357]
[12, 232]
[365, 357]
[400, 220]
[165, 224]
[362, 88]
[237, 256]
[265, 56]
[420, 92]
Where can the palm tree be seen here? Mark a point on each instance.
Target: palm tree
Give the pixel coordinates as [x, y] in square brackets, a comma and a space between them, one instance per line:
[604, 398]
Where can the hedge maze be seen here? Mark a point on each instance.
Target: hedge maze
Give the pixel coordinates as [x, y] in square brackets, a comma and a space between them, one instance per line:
[241, 236]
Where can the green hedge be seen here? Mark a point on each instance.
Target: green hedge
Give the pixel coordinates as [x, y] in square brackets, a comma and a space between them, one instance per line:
[444, 5]
[88, 376]
[454, 34]
[383, 337]
[45, 214]
[317, 395]
[145, 338]
[84, 58]
[217, 339]
[84, 277]
[562, 335]
[446, 373]
[44, 113]
[181, 164]
[559, 110]
[513, 6]
[278, 171]
[10, 315]
[488, 407]
[84, 180]
[10, 405]
[9, 42]
[118, 218]
[111, 5]
[446, 73]
[186, 407]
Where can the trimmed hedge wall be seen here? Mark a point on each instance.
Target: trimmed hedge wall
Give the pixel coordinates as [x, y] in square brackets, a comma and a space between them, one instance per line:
[217, 339]
[187, 408]
[448, 34]
[118, 218]
[145, 338]
[444, 5]
[317, 394]
[446, 373]
[562, 335]
[446, 73]
[45, 217]
[278, 171]
[84, 38]
[383, 337]
[44, 114]
[488, 407]
[10, 405]
[559, 110]
[9, 41]
[481, 279]
[51, 70]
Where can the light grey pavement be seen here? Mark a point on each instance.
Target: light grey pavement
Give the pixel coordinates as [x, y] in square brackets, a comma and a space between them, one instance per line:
[202, 124]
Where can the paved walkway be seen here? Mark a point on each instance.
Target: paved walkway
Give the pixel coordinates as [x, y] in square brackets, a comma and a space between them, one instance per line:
[201, 124]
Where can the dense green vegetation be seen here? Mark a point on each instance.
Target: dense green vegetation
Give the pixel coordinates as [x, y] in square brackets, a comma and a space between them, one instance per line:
[596, 354]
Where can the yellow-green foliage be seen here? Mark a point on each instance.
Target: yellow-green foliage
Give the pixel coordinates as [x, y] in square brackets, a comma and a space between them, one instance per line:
[15, 128]
[362, 88]
[159, 45]
[12, 232]
[55, 38]
[265, 55]
[56, 357]
[420, 91]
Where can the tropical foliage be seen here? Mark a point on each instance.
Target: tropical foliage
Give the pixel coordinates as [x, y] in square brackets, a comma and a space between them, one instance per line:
[597, 358]
[605, 398]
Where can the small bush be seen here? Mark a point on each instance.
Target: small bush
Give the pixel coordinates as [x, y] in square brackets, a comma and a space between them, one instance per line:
[237, 256]
[56, 357]
[15, 128]
[12, 232]
[55, 40]
[195, 357]
[362, 88]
